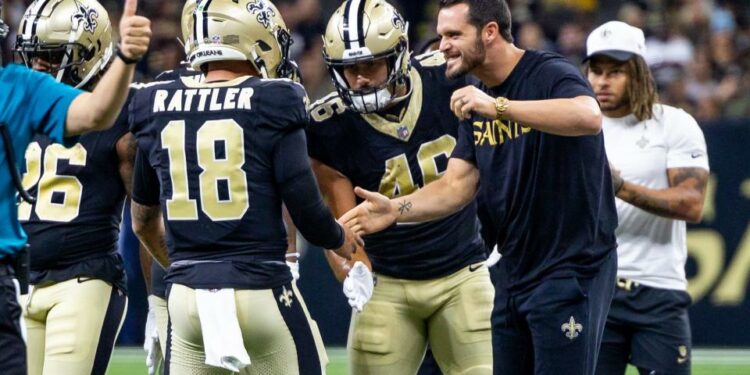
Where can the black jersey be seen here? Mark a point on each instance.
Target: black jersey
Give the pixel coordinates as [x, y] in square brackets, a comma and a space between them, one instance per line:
[549, 199]
[211, 155]
[396, 157]
[74, 226]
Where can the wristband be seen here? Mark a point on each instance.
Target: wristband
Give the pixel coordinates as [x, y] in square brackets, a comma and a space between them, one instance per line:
[125, 59]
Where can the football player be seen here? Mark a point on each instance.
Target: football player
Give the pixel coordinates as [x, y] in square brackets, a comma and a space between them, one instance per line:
[77, 303]
[217, 158]
[389, 128]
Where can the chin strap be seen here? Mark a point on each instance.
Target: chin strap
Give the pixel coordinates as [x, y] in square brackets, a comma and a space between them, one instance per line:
[11, 157]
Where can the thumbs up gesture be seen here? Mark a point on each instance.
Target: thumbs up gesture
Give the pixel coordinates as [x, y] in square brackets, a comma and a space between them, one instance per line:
[135, 32]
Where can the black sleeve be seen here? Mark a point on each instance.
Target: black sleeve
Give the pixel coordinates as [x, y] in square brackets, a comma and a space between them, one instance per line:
[121, 125]
[465, 147]
[146, 187]
[565, 80]
[319, 143]
[300, 193]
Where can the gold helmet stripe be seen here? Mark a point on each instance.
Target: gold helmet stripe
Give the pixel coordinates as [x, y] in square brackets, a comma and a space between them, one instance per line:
[30, 27]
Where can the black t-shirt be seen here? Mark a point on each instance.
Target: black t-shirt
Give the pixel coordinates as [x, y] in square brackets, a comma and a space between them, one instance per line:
[549, 200]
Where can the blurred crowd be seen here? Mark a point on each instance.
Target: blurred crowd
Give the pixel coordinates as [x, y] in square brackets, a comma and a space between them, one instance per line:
[699, 50]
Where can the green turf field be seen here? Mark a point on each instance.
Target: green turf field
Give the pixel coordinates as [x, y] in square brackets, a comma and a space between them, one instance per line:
[130, 361]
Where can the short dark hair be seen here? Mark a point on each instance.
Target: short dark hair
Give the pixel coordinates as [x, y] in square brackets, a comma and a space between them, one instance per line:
[482, 12]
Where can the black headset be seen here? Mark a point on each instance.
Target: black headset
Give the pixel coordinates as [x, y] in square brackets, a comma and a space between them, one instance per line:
[14, 174]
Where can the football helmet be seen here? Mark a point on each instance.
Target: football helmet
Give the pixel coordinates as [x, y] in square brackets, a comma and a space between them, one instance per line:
[73, 36]
[187, 15]
[365, 30]
[243, 30]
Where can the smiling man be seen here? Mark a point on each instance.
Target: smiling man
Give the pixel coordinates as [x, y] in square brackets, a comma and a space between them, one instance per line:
[533, 138]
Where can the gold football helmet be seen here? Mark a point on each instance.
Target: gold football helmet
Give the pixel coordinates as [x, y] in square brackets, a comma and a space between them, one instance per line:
[365, 30]
[186, 23]
[244, 30]
[73, 37]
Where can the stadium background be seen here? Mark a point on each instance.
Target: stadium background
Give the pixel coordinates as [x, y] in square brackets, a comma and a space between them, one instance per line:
[699, 51]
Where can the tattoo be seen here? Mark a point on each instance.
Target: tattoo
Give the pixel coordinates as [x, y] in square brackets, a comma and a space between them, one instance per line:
[617, 180]
[126, 149]
[404, 207]
[143, 214]
[695, 178]
[682, 199]
[658, 206]
[617, 183]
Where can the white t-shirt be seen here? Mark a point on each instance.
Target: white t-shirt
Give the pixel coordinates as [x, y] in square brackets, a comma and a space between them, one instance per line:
[652, 250]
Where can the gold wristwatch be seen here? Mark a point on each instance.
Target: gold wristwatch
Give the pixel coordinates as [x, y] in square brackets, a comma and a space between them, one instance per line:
[501, 105]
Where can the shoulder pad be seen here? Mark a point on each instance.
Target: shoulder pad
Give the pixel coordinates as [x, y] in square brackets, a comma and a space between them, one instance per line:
[327, 107]
[430, 59]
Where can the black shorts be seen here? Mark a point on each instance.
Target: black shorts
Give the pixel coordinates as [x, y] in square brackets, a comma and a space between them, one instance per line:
[649, 328]
[12, 346]
[555, 328]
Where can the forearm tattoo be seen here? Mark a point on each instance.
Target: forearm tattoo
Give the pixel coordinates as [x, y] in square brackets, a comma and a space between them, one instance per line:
[692, 180]
[144, 214]
[404, 207]
[695, 178]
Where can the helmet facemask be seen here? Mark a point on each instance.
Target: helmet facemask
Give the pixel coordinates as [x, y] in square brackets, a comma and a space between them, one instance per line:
[373, 99]
[64, 60]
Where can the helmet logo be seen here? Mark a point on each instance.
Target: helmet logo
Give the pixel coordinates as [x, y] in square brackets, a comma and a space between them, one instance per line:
[87, 16]
[263, 11]
[398, 21]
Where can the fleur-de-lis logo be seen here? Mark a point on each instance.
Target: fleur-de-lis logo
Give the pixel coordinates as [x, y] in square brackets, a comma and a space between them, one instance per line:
[87, 16]
[398, 21]
[682, 354]
[286, 297]
[606, 33]
[263, 11]
[571, 328]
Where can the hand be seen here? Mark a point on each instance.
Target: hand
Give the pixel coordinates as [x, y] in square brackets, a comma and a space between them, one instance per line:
[617, 180]
[358, 286]
[370, 216]
[470, 99]
[135, 32]
[349, 247]
[151, 343]
[294, 269]
[494, 257]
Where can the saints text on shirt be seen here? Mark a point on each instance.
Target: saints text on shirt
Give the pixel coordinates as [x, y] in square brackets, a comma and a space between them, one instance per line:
[202, 100]
[496, 132]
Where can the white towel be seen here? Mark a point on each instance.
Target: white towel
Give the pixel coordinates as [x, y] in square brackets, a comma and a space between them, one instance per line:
[222, 336]
[494, 257]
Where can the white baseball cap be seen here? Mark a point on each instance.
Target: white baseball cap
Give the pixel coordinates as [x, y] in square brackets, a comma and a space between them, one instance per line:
[617, 40]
